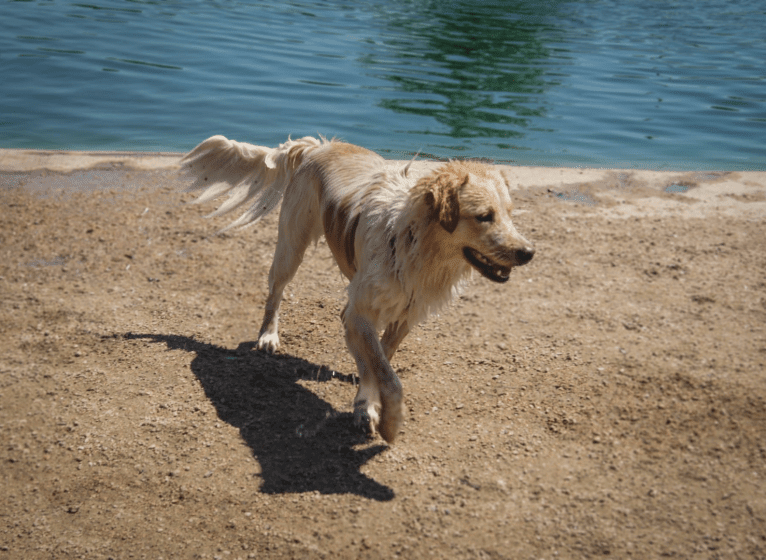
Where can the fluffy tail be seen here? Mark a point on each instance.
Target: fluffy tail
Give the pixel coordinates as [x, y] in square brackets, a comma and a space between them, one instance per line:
[249, 174]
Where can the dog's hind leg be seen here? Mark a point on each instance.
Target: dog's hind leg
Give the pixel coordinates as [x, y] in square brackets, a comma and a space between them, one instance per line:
[282, 271]
[298, 228]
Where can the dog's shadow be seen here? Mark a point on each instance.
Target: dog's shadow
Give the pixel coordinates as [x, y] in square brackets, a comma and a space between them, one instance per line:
[300, 441]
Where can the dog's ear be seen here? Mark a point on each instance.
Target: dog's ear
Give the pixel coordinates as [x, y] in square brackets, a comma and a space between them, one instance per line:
[441, 196]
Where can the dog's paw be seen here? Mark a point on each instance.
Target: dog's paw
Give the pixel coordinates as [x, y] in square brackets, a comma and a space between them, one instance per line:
[366, 418]
[268, 342]
[392, 417]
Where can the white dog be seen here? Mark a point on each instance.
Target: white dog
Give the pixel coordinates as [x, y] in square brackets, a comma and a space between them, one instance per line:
[404, 244]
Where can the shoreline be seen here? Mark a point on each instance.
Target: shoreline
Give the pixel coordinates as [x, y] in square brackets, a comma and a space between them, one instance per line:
[613, 192]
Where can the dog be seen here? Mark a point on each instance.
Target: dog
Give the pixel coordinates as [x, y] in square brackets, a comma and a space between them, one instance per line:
[405, 244]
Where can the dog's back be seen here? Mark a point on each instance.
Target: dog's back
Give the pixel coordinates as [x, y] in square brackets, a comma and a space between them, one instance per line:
[326, 186]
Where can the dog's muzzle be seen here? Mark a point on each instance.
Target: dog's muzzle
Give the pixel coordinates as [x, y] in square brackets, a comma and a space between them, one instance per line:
[495, 271]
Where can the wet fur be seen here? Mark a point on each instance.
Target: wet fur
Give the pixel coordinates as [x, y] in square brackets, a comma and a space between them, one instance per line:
[404, 244]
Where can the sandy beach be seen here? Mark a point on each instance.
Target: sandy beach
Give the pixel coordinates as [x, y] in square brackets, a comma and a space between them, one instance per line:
[608, 401]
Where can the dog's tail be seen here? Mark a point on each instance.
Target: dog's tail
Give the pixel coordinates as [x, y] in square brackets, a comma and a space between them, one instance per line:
[248, 174]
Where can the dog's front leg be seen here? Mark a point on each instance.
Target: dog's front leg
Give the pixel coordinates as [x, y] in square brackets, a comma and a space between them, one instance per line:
[380, 390]
[393, 336]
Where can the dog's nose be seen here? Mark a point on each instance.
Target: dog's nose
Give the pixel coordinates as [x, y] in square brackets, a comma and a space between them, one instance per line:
[523, 256]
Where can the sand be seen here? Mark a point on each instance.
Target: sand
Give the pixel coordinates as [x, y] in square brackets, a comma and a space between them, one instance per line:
[608, 401]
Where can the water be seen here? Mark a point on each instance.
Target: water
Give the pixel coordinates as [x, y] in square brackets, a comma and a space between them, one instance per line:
[658, 84]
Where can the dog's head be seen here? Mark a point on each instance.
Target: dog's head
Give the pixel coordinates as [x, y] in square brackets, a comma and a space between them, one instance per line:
[471, 202]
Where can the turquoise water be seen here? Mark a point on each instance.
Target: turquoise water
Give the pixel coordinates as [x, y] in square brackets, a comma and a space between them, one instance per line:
[658, 84]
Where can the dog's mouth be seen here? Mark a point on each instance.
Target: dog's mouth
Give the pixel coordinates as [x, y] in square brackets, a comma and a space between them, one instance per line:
[489, 269]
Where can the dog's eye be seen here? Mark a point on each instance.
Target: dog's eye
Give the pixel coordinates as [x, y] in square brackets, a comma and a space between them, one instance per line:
[486, 217]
